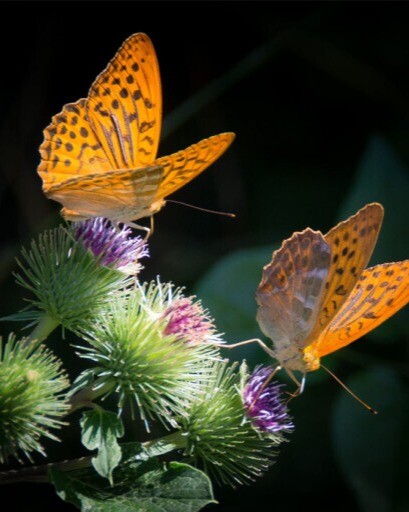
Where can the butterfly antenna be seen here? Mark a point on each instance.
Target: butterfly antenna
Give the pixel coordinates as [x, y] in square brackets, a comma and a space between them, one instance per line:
[367, 407]
[225, 214]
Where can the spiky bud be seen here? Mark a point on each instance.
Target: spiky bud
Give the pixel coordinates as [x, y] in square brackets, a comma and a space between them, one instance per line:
[31, 398]
[137, 359]
[220, 438]
[68, 283]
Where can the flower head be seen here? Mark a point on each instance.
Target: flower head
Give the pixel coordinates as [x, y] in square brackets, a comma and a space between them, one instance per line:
[31, 398]
[68, 284]
[187, 319]
[219, 437]
[181, 317]
[113, 247]
[264, 404]
[135, 357]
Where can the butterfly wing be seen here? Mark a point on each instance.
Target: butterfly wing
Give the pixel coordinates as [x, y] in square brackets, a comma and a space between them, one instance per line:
[125, 105]
[183, 166]
[352, 243]
[116, 127]
[118, 195]
[291, 289]
[70, 148]
[381, 291]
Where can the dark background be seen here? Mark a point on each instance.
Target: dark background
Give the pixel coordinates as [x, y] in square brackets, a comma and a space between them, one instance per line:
[318, 95]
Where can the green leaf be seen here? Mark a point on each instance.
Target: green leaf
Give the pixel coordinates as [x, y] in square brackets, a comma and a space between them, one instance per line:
[144, 451]
[372, 451]
[382, 177]
[228, 290]
[139, 487]
[100, 430]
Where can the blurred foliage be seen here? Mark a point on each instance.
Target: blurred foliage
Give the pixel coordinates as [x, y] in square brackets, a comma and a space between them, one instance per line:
[373, 452]
[317, 93]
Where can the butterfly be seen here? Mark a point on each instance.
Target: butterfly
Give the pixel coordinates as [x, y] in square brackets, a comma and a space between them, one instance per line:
[316, 296]
[98, 157]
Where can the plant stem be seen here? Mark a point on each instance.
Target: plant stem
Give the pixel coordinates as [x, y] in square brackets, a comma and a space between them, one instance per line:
[43, 329]
[39, 474]
[165, 444]
[86, 396]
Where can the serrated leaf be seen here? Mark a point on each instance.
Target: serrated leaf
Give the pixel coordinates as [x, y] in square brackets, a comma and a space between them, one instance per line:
[372, 450]
[100, 430]
[139, 487]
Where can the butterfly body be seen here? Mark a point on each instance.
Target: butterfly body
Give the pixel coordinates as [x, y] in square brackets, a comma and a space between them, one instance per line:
[98, 157]
[316, 296]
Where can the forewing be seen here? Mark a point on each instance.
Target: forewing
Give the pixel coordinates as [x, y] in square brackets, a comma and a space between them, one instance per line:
[352, 243]
[125, 105]
[118, 195]
[70, 148]
[381, 291]
[183, 166]
[291, 290]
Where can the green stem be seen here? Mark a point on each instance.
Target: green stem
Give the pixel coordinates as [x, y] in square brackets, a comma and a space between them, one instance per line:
[165, 444]
[43, 329]
[86, 396]
[39, 474]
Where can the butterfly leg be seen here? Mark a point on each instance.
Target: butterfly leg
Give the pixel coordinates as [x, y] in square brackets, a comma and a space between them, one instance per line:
[149, 231]
[247, 342]
[300, 385]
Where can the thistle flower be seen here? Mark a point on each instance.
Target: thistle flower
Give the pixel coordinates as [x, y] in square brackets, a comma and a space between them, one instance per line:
[31, 399]
[182, 317]
[67, 282]
[113, 247]
[186, 319]
[219, 437]
[264, 403]
[136, 359]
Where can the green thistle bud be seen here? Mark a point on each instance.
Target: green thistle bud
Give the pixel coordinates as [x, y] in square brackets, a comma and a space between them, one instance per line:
[31, 403]
[220, 438]
[139, 360]
[68, 282]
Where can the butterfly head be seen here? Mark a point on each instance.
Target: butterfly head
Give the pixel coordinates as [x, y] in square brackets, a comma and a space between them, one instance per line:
[296, 359]
[311, 361]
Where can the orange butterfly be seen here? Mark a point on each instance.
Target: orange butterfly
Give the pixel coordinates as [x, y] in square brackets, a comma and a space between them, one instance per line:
[98, 157]
[316, 295]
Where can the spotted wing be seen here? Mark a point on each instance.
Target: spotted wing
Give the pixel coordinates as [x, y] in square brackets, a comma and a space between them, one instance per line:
[183, 166]
[70, 148]
[291, 290]
[118, 195]
[352, 243]
[381, 291]
[125, 105]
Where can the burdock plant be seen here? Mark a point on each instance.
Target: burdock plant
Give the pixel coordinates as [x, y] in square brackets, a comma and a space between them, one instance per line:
[152, 349]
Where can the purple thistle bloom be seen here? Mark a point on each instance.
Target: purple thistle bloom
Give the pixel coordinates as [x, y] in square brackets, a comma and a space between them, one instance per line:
[264, 403]
[113, 247]
[187, 319]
